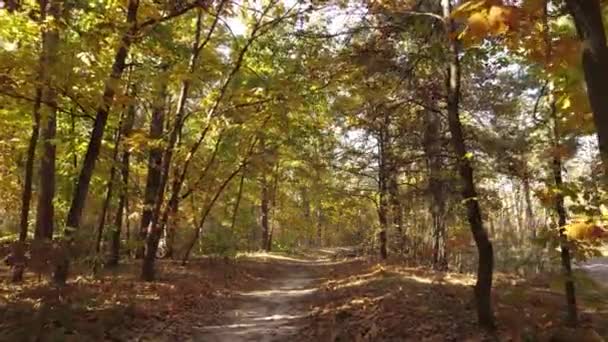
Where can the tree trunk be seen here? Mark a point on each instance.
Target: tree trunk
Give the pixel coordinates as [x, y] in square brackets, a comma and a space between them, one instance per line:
[114, 257]
[126, 129]
[154, 162]
[12, 5]
[529, 211]
[88, 165]
[396, 210]
[432, 144]
[588, 19]
[483, 287]
[239, 195]
[154, 227]
[107, 200]
[383, 205]
[26, 195]
[50, 40]
[436, 190]
[44, 93]
[207, 211]
[562, 221]
[273, 208]
[265, 213]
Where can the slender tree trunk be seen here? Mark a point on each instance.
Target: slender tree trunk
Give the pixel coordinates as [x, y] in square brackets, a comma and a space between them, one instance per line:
[265, 213]
[383, 206]
[273, 207]
[73, 133]
[207, 211]
[108, 199]
[88, 165]
[588, 19]
[154, 162]
[483, 287]
[239, 195]
[396, 209]
[383, 219]
[556, 161]
[560, 208]
[154, 227]
[529, 211]
[26, 195]
[126, 128]
[114, 257]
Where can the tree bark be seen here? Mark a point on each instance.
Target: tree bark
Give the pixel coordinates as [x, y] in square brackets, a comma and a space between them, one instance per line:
[265, 213]
[154, 229]
[88, 165]
[207, 210]
[588, 19]
[12, 5]
[383, 205]
[50, 39]
[107, 200]
[483, 287]
[436, 190]
[239, 195]
[529, 210]
[560, 208]
[396, 210]
[154, 162]
[26, 195]
[44, 92]
[123, 203]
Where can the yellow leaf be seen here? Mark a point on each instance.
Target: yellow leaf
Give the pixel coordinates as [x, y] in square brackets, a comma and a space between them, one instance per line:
[501, 19]
[478, 25]
[566, 103]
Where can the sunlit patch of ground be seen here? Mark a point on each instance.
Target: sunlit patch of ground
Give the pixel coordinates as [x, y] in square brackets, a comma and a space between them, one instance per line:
[117, 305]
[371, 302]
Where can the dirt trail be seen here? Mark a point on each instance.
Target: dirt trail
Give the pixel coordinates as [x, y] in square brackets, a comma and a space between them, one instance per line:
[597, 268]
[271, 314]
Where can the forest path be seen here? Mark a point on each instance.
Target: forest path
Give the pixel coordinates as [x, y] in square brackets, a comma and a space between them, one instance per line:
[274, 313]
[597, 268]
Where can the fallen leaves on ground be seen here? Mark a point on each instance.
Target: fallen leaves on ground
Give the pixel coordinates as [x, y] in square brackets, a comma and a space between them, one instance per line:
[115, 305]
[372, 302]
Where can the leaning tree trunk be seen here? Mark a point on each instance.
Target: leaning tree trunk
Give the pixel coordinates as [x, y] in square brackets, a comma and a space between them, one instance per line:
[207, 211]
[588, 19]
[88, 165]
[483, 287]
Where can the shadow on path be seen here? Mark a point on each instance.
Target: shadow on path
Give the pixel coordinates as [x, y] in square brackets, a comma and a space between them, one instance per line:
[274, 313]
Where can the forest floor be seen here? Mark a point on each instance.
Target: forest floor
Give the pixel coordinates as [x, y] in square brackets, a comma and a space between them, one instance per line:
[270, 297]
